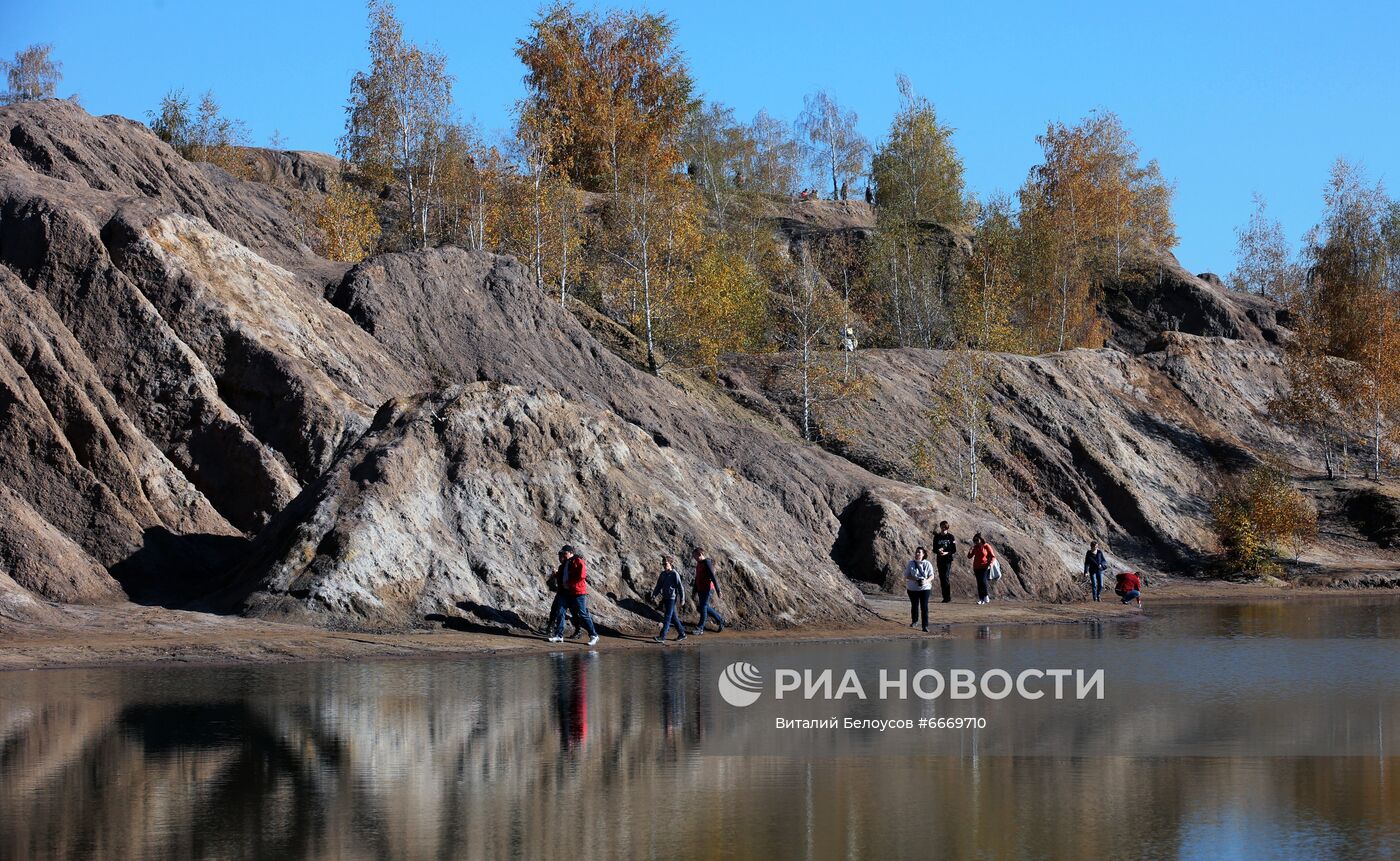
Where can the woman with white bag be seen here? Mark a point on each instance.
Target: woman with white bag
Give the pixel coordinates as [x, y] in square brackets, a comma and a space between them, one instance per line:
[984, 563]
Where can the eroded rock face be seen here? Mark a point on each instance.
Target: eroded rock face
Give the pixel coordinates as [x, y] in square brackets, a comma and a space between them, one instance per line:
[164, 378]
[1157, 295]
[291, 169]
[1085, 443]
[458, 502]
[178, 374]
[83, 486]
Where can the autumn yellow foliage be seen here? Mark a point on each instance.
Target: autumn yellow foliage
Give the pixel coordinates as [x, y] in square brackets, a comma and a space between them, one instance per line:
[1255, 514]
[347, 224]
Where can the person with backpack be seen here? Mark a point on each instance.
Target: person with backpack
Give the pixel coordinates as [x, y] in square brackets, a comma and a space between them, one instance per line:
[672, 593]
[982, 556]
[706, 585]
[574, 587]
[918, 582]
[945, 549]
[1094, 565]
[1129, 587]
[557, 608]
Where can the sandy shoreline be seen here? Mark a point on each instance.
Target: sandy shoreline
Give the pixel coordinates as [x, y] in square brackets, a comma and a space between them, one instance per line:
[131, 635]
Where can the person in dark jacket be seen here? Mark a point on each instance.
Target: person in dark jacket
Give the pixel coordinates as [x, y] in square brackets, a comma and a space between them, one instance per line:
[1094, 566]
[574, 586]
[945, 549]
[1129, 587]
[672, 593]
[706, 586]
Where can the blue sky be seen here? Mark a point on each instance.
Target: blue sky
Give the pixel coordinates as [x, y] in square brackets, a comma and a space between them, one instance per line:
[1230, 97]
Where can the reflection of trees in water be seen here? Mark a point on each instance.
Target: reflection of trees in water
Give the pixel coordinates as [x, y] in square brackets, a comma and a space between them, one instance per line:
[573, 756]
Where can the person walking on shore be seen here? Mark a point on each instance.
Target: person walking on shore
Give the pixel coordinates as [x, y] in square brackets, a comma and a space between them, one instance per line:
[945, 549]
[918, 581]
[706, 586]
[982, 556]
[574, 585]
[672, 592]
[557, 610]
[1129, 587]
[1094, 566]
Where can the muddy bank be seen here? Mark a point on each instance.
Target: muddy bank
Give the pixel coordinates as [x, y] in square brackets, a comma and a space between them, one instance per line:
[134, 635]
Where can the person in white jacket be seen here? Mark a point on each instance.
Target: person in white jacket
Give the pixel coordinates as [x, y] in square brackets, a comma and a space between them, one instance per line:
[918, 580]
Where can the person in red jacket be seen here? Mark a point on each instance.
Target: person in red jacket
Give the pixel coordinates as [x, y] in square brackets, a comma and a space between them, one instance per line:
[706, 584]
[557, 608]
[1129, 587]
[574, 587]
[982, 556]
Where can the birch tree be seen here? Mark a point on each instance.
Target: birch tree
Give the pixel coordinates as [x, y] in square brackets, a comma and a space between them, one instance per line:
[32, 74]
[917, 173]
[837, 148]
[1263, 261]
[1342, 362]
[962, 405]
[398, 119]
[808, 314]
[1088, 202]
[620, 81]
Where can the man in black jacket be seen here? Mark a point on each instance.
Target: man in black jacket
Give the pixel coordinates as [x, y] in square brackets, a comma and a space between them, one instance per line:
[945, 549]
[1094, 566]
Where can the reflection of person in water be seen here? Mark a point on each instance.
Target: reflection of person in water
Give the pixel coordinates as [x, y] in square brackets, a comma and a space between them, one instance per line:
[571, 699]
[672, 693]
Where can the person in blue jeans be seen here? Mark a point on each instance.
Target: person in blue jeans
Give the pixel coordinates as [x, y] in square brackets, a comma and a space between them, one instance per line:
[1094, 565]
[1129, 587]
[574, 588]
[672, 592]
[558, 608]
[706, 585]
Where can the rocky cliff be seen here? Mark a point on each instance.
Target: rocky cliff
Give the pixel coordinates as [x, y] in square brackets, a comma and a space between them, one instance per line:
[198, 411]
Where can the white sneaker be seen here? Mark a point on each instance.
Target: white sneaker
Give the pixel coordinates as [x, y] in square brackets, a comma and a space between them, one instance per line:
[556, 639]
[593, 640]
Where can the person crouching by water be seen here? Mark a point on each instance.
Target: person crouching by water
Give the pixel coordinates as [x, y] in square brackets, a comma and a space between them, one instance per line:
[1129, 587]
[918, 581]
[706, 586]
[574, 587]
[672, 593]
[982, 556]
[1094, 565]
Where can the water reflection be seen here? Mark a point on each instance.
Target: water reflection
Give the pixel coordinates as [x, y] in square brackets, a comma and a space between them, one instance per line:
[580, 755]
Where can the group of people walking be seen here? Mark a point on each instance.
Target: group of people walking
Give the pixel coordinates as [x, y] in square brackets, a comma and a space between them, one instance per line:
[570, 585]
[920, 572]
[986, 568]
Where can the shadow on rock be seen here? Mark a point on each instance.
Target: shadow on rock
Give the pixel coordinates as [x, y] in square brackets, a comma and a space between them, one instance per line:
[174, 571]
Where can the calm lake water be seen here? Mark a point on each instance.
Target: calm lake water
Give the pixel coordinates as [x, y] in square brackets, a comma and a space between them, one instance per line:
[1211, 742]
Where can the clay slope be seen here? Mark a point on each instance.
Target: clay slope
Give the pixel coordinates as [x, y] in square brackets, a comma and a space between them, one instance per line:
[457, 501]
[1086, 442]
[170, 386]
[179, 375]
[416, 304]
[222, 370]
